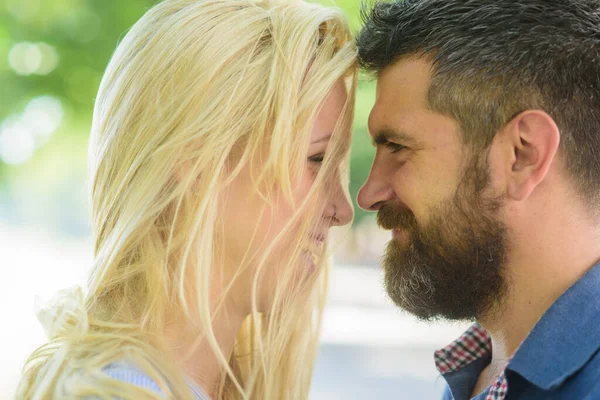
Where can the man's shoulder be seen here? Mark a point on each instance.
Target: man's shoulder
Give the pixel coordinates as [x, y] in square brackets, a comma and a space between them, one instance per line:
[583, 383]
[586, 381]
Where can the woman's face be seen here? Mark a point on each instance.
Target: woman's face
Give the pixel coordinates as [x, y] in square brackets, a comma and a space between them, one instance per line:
[251, 224]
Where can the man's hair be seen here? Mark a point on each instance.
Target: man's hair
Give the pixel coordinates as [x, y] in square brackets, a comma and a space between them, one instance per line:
[494, 59]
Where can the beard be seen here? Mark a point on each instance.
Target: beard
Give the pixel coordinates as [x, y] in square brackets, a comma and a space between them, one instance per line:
[452, 268]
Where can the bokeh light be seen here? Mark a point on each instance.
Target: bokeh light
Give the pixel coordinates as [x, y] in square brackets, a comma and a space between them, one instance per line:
[43, 115]
[16, 141]
[21, 134]
[27, 58]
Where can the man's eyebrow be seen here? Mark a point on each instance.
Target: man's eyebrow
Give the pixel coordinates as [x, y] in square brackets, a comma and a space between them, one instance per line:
[388, 135]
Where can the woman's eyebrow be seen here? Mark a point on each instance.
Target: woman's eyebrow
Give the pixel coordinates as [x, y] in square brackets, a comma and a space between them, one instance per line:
[323, 139]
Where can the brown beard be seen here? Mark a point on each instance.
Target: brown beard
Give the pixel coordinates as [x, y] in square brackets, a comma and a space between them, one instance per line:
[452, 268]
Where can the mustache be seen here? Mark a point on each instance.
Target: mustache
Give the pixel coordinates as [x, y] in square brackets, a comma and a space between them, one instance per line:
[394, 216]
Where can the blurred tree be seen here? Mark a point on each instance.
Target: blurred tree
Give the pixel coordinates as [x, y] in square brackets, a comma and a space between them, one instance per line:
[54, 52]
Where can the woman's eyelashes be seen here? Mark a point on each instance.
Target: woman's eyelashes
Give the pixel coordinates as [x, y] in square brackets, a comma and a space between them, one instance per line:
[317, 158]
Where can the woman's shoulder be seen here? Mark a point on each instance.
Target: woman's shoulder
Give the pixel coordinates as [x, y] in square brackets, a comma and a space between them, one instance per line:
[129, 373]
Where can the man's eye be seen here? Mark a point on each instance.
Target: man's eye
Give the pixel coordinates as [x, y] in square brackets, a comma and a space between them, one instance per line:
[317, 159]
[394, 147]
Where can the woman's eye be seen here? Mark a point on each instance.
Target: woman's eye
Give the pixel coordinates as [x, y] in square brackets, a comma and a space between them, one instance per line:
[394, 147]
[317, 159]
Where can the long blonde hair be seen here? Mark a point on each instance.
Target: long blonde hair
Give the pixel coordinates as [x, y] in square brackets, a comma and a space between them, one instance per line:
[193, 83]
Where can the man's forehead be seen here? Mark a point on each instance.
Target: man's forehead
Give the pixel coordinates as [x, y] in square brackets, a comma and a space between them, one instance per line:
[387, 114]
[401, 93]
[406, 81]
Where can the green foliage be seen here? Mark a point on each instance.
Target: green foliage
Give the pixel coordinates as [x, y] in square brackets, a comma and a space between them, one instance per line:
[362, 149]
[84, 34]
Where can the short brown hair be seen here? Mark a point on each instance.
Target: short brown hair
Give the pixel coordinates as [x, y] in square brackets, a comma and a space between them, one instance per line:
[494, 59]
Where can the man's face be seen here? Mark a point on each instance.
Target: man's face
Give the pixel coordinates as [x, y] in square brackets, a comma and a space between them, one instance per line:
[447, 251]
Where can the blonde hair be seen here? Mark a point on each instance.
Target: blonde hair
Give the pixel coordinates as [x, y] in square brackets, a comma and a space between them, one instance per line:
[203, 87]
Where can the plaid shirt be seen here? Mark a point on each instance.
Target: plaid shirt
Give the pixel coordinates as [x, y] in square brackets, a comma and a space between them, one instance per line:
[559, 359]
[475, 344]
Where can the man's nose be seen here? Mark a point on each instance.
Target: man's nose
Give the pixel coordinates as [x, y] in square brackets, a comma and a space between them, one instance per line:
[376, 191]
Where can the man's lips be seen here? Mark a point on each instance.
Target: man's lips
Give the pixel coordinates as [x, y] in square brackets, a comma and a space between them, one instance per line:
[396, 232]
[400, 234]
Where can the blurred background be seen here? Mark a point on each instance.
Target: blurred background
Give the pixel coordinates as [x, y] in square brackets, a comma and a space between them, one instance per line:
[52, 56]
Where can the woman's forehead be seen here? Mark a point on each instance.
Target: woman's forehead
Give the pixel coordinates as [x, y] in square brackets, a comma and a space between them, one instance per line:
[330, 112]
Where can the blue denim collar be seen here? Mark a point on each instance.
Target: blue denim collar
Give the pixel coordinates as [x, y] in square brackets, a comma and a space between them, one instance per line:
[566, 337]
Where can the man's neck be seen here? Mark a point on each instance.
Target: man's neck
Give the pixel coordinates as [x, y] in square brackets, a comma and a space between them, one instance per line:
[538, 274]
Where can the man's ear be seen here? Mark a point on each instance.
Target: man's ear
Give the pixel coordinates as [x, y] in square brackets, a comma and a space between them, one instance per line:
[531, 141]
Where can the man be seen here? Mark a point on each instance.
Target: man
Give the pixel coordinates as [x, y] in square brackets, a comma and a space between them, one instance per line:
[487, 171]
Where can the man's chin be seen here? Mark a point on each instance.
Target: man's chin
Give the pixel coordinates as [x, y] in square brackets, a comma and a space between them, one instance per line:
[395, 253]
[425, 295]
[411, 285]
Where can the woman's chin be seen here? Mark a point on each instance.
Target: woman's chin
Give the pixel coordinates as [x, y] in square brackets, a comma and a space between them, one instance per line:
[309, 261]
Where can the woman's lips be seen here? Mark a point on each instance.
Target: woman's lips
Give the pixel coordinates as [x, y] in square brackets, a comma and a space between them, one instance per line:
[319, 238]
[309, 258]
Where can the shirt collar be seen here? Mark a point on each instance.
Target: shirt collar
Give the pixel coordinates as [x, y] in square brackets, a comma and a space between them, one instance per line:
[565, 338]
[473, 345]
[559, 345]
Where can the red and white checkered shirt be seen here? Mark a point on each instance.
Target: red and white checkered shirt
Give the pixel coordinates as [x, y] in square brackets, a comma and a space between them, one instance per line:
[473, 345]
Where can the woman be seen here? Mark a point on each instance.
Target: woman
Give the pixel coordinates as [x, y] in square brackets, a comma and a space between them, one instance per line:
[218, 162]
